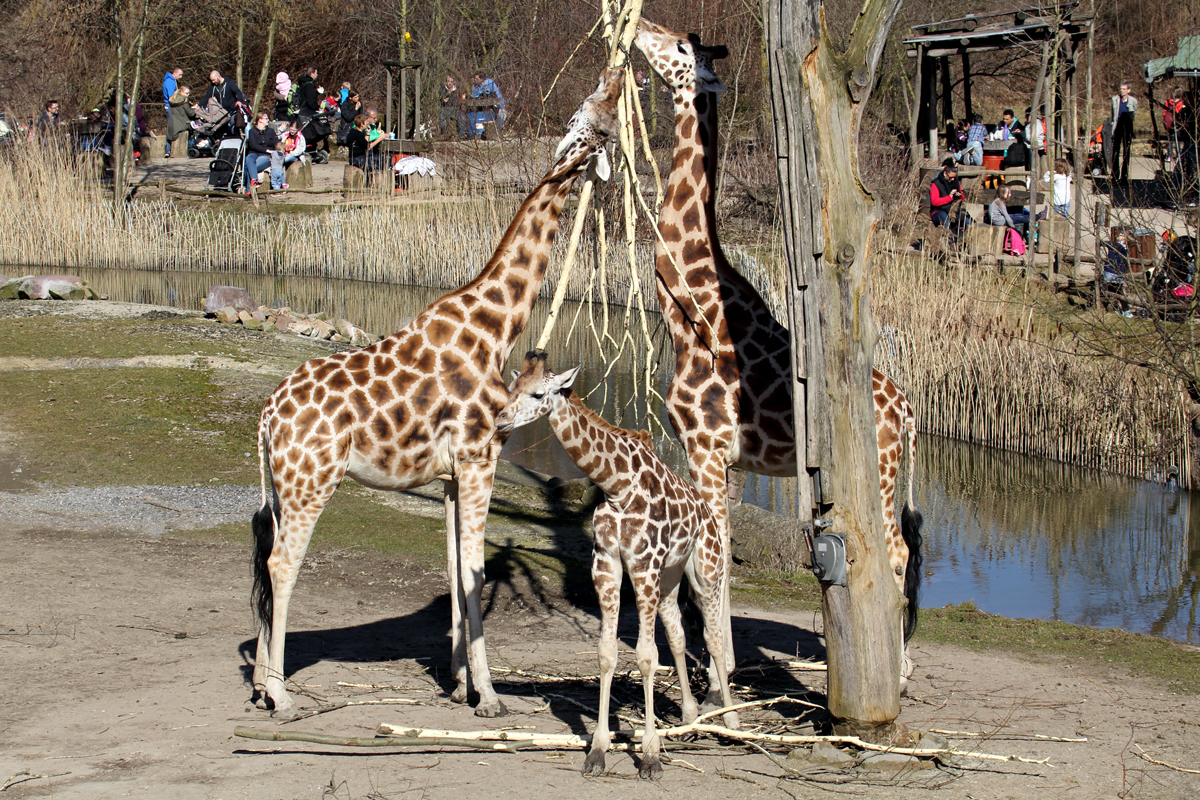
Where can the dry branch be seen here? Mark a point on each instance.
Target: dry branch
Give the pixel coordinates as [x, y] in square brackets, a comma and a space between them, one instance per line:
[382, 741]
[1141, 754]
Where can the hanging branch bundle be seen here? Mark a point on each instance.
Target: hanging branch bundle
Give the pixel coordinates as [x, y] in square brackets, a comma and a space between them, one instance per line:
[618, 56]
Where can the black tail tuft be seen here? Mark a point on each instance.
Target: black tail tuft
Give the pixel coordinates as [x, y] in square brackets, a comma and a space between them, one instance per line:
[262, 597]
[910, 529]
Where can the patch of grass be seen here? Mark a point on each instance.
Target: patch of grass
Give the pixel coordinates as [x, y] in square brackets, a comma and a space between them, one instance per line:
[774, 589]
[966, 626]
[354, 520]
[135, 426]
[52, 336]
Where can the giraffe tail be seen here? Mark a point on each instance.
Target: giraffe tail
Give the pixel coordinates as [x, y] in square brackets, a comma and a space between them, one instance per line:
[910, 530]
[264, 524]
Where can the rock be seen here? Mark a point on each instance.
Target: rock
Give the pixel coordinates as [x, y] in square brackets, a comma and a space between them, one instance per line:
[253, 324]
[268, 326]
[353, 178]
[765, 540]
[282, 321]
[325, 328]
[931, 741]
[299, 174]
[345, 328]
[321, 315]
[66, 291]
[337, 337]
[11, 290]
[37, 287]
[361, 338]
[259, 313]
[245, 316]
[221, 296]
[823, 754]
[227, 315]
[893, 762]
[301, 327]
[92, 294]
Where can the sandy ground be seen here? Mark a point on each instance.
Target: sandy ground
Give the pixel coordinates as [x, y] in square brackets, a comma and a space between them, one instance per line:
[126, 654]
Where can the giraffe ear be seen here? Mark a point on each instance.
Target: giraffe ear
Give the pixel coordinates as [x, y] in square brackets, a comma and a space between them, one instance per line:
[601, 165]
[567, 378]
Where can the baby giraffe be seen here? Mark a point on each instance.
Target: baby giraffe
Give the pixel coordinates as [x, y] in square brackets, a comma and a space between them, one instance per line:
[651, 523]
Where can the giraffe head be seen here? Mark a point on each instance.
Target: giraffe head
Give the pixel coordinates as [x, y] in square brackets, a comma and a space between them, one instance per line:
[684, 63]
[532, 393]
[590, 128]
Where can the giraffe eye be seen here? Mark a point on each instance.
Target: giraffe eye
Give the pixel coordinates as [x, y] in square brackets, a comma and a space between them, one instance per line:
[538, 395]
[682, 49]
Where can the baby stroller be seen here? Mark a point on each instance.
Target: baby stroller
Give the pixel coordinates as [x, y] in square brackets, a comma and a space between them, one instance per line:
[315, 129]
[1175, 278]
[225, 170]
[205, 137]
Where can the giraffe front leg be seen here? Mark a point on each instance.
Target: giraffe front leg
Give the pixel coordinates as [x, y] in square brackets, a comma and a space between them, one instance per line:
[710, 473]
[705, 575]
[475, 492]
[606, 577]
[646, 589]
[458, 630]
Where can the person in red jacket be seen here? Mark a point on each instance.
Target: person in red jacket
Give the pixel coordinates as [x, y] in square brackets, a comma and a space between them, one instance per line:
[943, 191]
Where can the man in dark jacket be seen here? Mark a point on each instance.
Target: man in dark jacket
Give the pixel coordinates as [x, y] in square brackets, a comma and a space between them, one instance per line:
[226, 92]
[943, 191]
[309, 94]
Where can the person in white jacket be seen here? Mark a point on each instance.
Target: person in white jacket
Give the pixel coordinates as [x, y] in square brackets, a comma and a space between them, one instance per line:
[1062, 187]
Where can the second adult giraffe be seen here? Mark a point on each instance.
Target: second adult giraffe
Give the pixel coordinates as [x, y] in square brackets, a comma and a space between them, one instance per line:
[730, 401]
[415, 407]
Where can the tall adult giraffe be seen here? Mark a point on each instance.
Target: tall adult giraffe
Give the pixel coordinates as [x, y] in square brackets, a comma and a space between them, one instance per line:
[730, 401]
[415, 407]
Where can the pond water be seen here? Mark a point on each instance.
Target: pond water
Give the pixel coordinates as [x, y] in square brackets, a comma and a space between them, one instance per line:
[1018, 536]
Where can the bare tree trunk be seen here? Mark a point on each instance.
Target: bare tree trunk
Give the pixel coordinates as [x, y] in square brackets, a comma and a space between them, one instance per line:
[264, 76]
[818, 96]
[241, 51]
[118, 100]
[127, 149]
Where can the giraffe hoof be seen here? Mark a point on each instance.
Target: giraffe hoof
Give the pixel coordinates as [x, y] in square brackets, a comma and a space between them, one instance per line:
[491, 710]
[651, 769]
[731, 721]
[459, 695]
[291, 712]
[712, 701]
[593, 765]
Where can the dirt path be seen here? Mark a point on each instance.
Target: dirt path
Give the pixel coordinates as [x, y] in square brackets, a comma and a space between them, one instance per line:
[126, 657]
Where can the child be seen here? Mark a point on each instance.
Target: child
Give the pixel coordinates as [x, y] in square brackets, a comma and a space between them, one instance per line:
[344, 94]
[1062, 187]
[277, 172]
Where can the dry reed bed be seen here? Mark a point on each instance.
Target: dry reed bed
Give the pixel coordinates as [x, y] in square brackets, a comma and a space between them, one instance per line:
[980, 366]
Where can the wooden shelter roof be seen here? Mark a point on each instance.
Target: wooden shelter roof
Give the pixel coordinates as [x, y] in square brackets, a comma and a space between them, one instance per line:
[995, 31]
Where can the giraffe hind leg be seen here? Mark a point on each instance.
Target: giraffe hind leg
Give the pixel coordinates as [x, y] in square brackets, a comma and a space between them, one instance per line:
[262, 596]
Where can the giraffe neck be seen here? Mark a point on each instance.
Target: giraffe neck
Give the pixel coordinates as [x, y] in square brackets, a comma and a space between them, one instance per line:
[509, 283]
[687, 220]
[589, 439]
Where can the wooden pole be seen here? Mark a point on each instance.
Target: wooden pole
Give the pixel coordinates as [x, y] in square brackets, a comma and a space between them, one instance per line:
[947, 94]
[264, 76]
[1079, 167]
[932, 112]
[1101, 234]
[915, 122]
[1034, 173]
[966, 68]
[387, 104]
[818, 97]
[417, 103]
[118, 127]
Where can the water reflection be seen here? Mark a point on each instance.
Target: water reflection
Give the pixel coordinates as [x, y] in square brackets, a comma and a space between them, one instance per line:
[1019, 536]
[1027, 537]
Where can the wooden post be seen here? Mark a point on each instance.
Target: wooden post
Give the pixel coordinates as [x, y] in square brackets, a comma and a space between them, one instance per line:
[387, 103]
[947, 94]
[402, 131]
[417, 103]
[1080, 161]
[818, 96]
[932, 112]
[914, 124]
[1034, 173]
[966, 68]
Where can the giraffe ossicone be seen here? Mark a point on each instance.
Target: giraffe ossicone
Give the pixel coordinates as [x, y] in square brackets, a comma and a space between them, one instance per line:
[652, 525]
[730, 401]
[415, 407]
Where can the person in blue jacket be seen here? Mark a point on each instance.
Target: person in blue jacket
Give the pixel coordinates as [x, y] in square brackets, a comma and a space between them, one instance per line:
[169, 87]
[484, 86]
